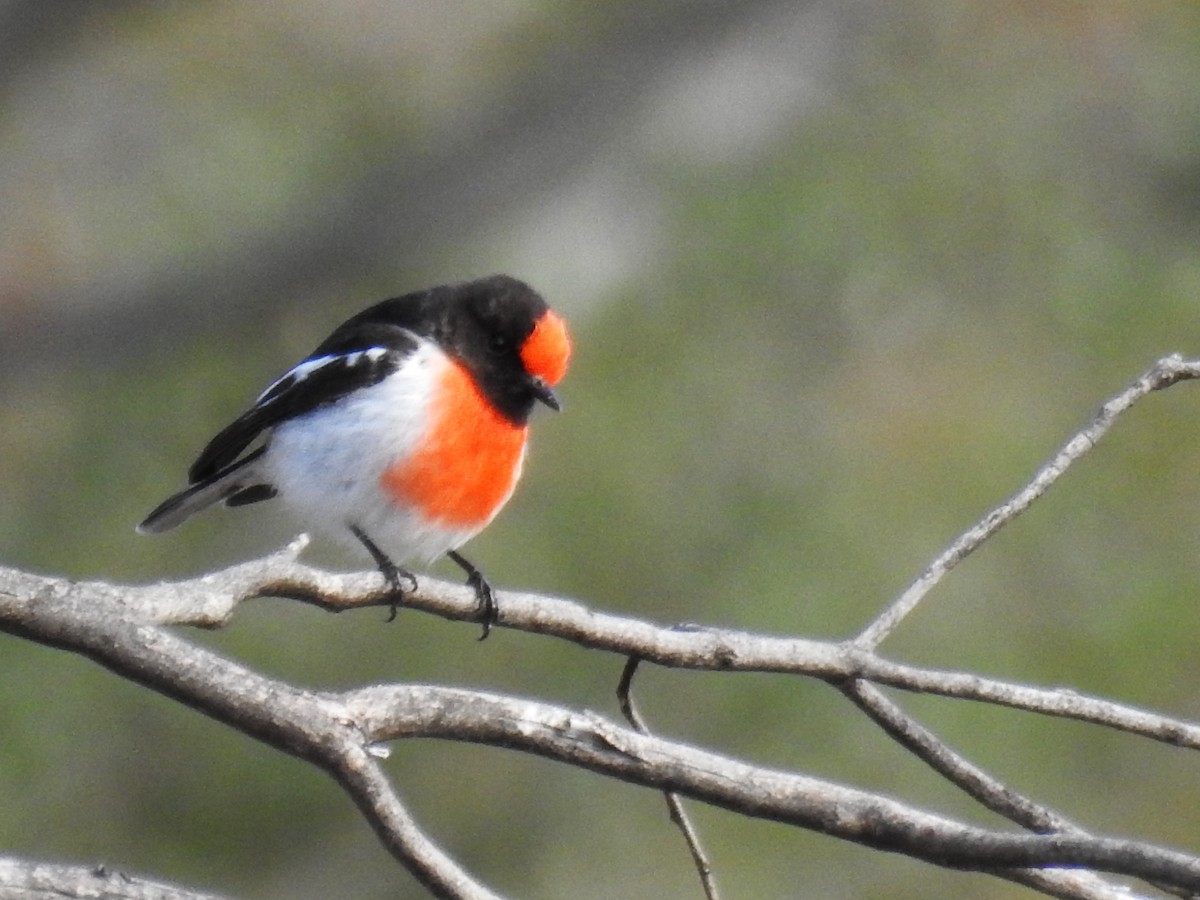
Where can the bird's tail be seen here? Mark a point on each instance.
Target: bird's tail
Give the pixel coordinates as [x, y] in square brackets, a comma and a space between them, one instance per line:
[240, 477]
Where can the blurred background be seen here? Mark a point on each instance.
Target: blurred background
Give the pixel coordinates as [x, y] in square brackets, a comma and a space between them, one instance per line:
[841, 275]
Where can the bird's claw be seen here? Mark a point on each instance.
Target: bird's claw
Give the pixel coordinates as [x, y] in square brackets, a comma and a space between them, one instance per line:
[485, 598]
[393, 575]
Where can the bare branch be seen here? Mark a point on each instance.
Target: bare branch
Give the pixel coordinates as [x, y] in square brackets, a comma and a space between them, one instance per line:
[1063, 703]
[356, 769]
[310, 725]
[923, 744]
[1068, 884]
[343, 733]
[985, 788]
[674, 805]
[584, 739]
[209, 601]
[336, 732]
[1167, 371]
[23, 880]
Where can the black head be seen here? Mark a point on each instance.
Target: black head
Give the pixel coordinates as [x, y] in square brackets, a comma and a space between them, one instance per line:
[486, 327]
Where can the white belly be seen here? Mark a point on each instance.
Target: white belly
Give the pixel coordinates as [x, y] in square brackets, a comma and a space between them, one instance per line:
[327, 465]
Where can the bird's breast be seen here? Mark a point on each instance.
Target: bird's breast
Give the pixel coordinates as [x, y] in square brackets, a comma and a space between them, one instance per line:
[467, 463]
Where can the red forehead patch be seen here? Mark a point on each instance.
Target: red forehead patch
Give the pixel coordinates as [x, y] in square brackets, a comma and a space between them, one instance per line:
[547, 350]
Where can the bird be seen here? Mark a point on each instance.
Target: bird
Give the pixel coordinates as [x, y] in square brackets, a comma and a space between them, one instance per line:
[403, 432]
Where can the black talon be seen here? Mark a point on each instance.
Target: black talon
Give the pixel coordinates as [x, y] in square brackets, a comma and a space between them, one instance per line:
[391, 572]
[485, 597]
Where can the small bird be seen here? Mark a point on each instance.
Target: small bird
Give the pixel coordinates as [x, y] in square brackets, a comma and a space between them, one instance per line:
[404, 429]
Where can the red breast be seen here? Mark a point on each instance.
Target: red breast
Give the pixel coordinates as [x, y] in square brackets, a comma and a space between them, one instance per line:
[467, 464]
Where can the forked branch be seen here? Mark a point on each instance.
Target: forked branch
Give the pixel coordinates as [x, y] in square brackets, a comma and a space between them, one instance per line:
[121, 628]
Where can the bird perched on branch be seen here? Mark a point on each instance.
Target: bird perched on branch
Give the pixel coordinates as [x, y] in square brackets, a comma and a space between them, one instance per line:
[404, 429]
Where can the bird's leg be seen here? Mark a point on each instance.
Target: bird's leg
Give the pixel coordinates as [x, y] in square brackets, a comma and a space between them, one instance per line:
[391, 572]
[484, 596]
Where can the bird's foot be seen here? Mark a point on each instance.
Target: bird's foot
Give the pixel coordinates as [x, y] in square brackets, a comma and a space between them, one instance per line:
[485, 597]
[393, 575]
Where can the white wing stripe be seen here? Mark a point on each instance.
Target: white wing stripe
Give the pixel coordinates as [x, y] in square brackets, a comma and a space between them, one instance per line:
[301, 371]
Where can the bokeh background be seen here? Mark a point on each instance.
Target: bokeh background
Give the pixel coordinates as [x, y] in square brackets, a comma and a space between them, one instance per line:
[842, 273]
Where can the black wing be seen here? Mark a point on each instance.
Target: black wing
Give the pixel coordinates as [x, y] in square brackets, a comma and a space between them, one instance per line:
[360, 353]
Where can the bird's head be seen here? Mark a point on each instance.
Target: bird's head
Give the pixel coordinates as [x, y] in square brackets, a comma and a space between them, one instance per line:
[514, 345]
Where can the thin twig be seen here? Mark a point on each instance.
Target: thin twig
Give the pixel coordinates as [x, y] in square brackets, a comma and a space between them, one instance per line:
[988, 790]
[1062, 703]
[365, 781]
[1167, 371]
[674, 805]
[927, 747]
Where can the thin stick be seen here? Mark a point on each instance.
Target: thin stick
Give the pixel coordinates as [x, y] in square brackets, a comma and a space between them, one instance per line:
[980, 785]
[931, 750]
[1167, 371]
[674, 805]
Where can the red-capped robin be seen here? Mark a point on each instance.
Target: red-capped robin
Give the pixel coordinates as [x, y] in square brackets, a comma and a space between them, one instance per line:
[405, 428]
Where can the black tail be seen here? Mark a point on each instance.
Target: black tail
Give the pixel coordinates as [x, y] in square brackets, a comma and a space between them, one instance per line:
[237, 478]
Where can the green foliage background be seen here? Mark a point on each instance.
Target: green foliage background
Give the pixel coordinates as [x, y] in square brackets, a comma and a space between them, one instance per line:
[822, 357]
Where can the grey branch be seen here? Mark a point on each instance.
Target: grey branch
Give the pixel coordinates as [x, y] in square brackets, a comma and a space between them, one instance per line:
[675, 807]
[211, 600]
[339, 731]
[24, 880]
[122, 629]
[1167, 371]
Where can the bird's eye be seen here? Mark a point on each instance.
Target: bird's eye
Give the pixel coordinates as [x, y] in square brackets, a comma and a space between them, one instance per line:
[498, 343]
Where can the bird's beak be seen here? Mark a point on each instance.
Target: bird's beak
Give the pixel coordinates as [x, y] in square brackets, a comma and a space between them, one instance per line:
[542, 391]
